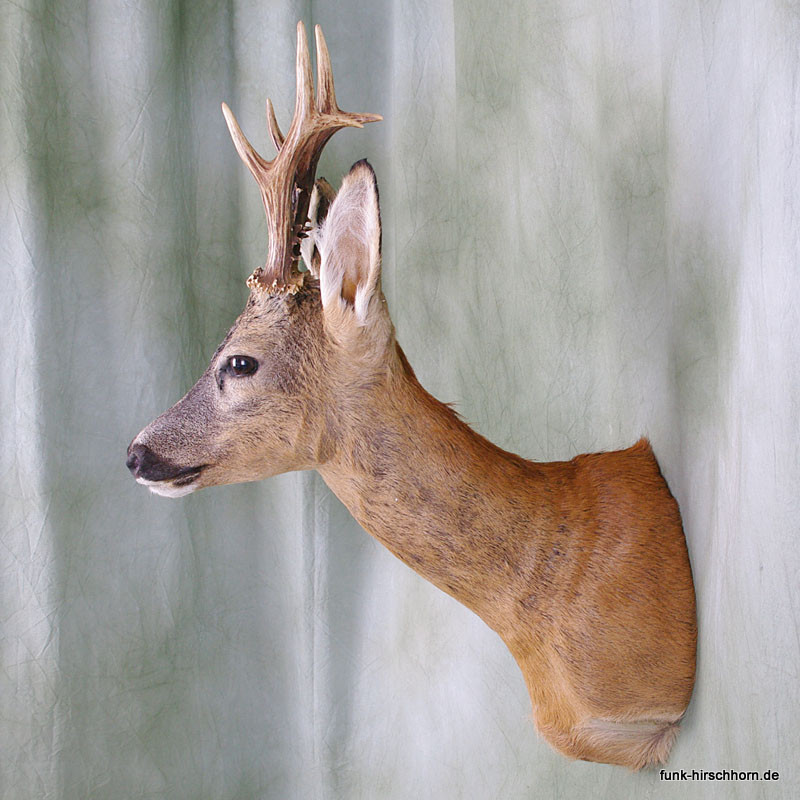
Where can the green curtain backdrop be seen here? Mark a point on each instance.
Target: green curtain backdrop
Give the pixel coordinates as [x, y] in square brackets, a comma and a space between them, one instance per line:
[591, 215]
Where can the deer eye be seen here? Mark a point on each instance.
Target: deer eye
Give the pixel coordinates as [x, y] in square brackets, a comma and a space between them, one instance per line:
[239, 366]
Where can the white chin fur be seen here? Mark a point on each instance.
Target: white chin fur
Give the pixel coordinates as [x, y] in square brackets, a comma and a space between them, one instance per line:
[166, 489]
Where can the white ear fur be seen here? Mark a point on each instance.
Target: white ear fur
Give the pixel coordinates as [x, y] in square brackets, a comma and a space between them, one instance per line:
[308, 245]
[321, 199]
[350, 245]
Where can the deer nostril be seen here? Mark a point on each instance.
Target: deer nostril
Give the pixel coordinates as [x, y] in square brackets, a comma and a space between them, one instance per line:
[138, 458]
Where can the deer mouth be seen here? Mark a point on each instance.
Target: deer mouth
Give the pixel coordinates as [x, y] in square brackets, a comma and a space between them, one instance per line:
[182, 483]
[160, 476]
[187, 476]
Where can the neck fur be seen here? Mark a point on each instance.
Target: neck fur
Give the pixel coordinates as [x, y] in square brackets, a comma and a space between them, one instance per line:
[442, 498]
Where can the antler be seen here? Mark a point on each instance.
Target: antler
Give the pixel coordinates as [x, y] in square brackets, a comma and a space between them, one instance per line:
[287, 181]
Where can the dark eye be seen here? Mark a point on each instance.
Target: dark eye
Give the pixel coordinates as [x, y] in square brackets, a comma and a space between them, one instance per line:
[239, 366]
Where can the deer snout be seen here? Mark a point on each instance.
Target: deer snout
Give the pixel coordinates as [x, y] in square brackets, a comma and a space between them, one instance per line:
[142, 462]
[149, 466]
[160, 475]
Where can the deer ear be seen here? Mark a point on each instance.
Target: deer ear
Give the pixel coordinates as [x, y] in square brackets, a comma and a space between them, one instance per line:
[350, 248]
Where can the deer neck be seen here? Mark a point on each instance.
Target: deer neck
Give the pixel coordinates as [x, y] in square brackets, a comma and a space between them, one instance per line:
[447, 502]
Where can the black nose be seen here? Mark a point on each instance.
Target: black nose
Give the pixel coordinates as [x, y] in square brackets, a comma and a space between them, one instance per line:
[144, 463]
[140, 459]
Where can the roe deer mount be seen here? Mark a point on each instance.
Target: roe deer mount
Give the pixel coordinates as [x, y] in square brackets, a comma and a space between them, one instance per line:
[580, 566]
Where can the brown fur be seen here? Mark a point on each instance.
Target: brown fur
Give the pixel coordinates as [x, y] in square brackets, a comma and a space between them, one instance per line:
[580, 566]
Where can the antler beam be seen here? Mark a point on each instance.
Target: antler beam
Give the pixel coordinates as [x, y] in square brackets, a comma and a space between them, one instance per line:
[287, 181]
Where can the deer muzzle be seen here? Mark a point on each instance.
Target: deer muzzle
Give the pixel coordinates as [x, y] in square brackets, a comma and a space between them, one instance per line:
[160, 475]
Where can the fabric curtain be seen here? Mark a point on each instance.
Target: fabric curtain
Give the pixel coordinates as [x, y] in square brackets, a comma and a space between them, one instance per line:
[590, 228]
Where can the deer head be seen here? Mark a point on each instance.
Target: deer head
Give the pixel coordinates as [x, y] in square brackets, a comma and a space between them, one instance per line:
[264, 404]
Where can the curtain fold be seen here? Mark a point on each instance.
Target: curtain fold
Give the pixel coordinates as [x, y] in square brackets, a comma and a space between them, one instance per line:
[589, 234]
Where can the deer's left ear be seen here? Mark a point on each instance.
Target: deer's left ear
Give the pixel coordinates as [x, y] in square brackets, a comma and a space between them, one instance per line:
[350, 247]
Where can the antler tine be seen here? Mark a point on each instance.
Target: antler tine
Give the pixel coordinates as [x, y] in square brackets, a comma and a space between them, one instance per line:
[257, 165]
[287, 181]
[274, 129]
[304, 93]
[326, 95]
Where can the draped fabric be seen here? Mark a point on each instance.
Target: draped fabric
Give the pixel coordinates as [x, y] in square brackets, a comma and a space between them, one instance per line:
[590, 233]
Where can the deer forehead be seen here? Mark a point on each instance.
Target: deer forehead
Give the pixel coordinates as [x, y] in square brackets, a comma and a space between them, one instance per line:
[269, 315]
[279, 328]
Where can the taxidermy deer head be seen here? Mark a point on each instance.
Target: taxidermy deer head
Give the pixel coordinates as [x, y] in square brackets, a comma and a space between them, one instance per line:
[580, 566]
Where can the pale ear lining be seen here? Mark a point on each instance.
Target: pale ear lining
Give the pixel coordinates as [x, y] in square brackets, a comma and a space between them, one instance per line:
[350, 246]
